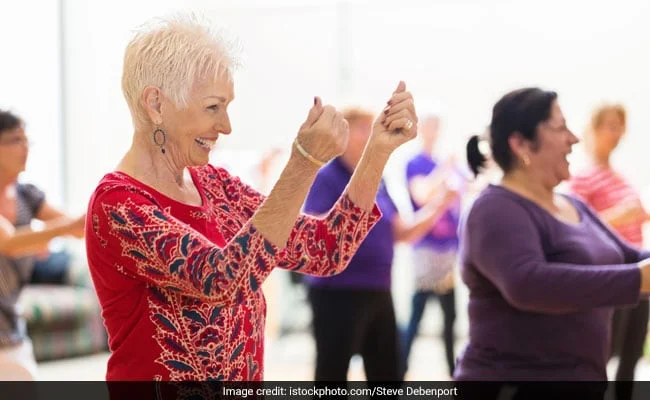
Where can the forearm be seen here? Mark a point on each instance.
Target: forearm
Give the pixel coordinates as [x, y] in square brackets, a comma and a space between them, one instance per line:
[324, 246]
[165, 252]
[363, 186]
[614, 216]
[557, 288]
[423, 221]
[277, 216]
[435, 182]
[623, 214]
[25, 241]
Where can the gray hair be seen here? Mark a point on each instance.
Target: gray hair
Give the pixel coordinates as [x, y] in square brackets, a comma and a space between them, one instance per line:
[173, 53]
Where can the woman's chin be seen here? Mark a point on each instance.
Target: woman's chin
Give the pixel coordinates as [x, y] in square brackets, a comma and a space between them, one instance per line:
[200, 160]
[564, 176]
[199, 163]
[18, 171]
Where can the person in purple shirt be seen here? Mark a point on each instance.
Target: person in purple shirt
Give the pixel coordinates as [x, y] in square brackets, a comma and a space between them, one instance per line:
[543, 272]
[435, 254]
[353, 311]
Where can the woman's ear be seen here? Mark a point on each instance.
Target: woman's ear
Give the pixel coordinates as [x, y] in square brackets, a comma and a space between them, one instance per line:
[518, 145]
[152, 102]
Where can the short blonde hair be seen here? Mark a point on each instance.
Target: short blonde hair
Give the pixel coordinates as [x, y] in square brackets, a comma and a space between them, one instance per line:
[598, 115]
[357, 114]
[173, 53]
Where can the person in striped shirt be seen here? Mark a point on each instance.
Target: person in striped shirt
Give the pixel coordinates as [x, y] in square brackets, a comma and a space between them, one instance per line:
[618, 203]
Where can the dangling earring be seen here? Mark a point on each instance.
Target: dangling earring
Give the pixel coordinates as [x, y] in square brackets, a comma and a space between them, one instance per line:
[526, 160]
[157, 134]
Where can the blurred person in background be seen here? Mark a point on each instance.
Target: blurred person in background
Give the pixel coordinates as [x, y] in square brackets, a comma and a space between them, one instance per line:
[353, 311]
[544, 272]
[266, 171]
[178, 249]
[618, 204]
[20, 246]
[435, 254]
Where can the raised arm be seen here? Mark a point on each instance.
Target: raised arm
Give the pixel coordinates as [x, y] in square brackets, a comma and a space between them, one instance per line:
[320, 246]
[23, 241]
[52, 215]
[424, 218]
[331, 245]
[505, 246]
[324, 136]
[127, 230]
[324, 246]
[424, 188]
[625, 212]
[630, 253]
[323, 242]
[317, 245]
[396, 125]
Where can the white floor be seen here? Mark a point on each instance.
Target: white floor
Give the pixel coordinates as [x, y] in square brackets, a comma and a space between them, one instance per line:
[291, 358]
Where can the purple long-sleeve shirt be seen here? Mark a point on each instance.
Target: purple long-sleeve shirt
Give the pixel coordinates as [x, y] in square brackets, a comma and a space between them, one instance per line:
[541, 290]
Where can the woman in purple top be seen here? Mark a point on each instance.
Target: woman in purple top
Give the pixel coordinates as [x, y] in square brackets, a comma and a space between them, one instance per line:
[435, 255]
[543, 272]
[353, 311]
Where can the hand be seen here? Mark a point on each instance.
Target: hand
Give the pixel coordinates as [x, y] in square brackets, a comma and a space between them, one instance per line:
[629, 211]
[634, 210]
[43, 253]
[445, 284]
[325, 133]
[397, 124]
[451, 164]
[451, 195]
[645, 276]
[453, 160]
[77, 227]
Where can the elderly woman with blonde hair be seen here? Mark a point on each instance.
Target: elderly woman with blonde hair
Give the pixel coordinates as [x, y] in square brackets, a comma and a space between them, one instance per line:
[619, 204]
[178, 249]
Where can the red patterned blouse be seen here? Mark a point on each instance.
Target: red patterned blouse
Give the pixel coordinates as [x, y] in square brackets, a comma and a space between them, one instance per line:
[179, 285]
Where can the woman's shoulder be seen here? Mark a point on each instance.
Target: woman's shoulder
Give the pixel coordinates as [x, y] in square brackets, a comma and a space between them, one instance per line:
[116, 186]
[28, 190]
[497, 204]
[497, 196]
[30, 195]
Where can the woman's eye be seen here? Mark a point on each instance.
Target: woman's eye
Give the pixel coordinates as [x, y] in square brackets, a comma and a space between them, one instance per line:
[213, 107]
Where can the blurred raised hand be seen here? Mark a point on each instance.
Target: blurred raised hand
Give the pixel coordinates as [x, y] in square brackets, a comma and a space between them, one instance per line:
[397, 124]
[324, 135]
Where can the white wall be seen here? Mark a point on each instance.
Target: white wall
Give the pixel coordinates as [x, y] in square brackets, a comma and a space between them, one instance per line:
[464, 55]
[30, 86]
[467, 54]
[288, 56]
